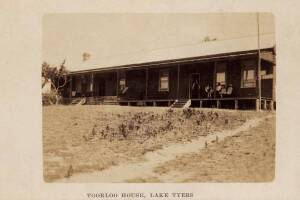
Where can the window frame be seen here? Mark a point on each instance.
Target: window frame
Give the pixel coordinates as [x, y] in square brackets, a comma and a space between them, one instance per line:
[247, 68]
[122, 76]
[122, 85]
[221, 68]
[221, 72]
[161, 73]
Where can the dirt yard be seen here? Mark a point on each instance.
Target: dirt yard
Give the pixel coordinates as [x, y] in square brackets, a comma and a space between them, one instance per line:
[86, 139]
[248, 156]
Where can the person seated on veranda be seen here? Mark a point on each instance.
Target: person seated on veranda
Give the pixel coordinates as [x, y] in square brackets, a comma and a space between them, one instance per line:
[223, 91]
[218, 90]
[229, 91]
[209, 91]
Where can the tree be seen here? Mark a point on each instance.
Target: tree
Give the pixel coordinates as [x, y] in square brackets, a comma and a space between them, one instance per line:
[57, 77]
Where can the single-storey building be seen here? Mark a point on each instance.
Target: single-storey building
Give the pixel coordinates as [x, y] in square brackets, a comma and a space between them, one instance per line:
[221, 74]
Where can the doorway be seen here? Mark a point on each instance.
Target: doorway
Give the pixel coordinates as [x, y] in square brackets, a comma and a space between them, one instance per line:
[101, 87]
[194, 86]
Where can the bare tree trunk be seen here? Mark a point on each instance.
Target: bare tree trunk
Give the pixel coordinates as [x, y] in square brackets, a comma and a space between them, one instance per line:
[56, 99]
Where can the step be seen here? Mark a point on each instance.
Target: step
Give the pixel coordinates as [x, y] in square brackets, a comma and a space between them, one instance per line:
[179, 104]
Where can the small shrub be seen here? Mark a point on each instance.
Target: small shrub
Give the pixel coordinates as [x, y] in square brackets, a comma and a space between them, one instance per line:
[226, 121]
[94, 131]
[131, 125]
[49, 99]
[169, 126]
[122, 130]
[187, 113]
[69, 172]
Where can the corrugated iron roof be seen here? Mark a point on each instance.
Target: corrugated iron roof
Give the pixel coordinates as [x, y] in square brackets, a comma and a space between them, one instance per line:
[189, 51]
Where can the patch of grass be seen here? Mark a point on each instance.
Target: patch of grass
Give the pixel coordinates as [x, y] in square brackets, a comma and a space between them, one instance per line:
[107, 135]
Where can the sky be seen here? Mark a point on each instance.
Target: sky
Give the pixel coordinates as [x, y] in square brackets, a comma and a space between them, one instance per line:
[116, 36]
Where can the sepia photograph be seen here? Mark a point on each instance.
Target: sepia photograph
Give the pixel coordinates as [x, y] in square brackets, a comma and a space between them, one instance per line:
[158, 97]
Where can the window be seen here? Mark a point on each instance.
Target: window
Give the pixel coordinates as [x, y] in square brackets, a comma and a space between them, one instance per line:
[122, 80]
[221, 78]
[221, 74]
[163, 80]
[266, 72]
[263, 72]
[248, 79]
[122, 84]
[267, 76]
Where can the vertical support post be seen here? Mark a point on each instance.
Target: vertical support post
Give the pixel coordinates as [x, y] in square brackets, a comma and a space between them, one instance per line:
[236, 104]
[257, 104]
[169, 103]
[189, 86]
[265, 104]
[259, 63]
[273, 84]
[272, 105]
[92, 84]
[154, 103]
[178, 77]
[71, 86]
[117, 88]
[218, 103]
[201, 103]
[146, 85]
[214, 78]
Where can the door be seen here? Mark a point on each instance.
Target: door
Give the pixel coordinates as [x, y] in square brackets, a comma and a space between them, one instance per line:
[194, 86]
[101, 87]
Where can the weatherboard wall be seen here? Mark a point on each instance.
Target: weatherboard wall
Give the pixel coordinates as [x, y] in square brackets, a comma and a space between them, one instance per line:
[137, 79]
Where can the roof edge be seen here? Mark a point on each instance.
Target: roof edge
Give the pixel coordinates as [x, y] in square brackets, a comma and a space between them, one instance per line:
[172, 61]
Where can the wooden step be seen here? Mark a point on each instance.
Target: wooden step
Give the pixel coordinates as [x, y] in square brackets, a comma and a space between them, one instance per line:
[78, 101]
[180, 104]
